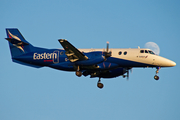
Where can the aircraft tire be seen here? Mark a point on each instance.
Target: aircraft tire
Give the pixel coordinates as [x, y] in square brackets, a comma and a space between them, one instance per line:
[79, 73]
[100, 85]
[156, 77]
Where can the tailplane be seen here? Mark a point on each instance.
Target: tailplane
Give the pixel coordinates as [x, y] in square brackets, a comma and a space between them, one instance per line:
[17, 43]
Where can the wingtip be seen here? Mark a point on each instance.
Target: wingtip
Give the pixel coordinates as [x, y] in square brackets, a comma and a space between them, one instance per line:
[62, 40]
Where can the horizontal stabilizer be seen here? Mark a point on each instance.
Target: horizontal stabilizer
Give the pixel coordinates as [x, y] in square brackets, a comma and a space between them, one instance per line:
[16, 42]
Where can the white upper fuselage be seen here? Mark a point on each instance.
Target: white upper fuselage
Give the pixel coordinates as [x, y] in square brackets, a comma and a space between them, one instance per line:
[135, 55]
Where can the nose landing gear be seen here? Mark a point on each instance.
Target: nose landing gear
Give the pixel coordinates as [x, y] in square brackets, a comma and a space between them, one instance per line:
[156, 77]
[99, 84]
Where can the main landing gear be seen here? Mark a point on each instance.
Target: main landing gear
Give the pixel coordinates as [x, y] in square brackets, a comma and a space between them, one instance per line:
[156, 77]
[99, 84]
[78, 73]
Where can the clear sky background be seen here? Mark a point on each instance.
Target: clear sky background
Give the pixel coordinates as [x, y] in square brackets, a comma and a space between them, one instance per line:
[46, 94]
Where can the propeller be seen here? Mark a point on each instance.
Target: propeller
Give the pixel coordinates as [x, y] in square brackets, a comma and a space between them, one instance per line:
[107, 53]
[128, 73]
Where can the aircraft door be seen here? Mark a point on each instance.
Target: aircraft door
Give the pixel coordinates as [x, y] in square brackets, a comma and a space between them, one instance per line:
[56, 56]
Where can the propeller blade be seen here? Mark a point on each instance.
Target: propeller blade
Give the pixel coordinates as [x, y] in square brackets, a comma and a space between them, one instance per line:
[128, 75]
[131, 70]
[107, 49]
[107, 54]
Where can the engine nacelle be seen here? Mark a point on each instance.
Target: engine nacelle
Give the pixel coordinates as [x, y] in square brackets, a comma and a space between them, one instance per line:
[107, 74]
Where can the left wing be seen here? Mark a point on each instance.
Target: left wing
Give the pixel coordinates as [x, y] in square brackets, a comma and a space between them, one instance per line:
[72, 53]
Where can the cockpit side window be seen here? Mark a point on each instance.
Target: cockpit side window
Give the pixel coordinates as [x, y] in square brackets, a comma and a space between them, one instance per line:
[146, 51]
[141, 51]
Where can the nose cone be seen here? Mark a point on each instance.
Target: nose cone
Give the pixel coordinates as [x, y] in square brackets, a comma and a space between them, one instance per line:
[168, 63]
[164, 62]
[172, 64]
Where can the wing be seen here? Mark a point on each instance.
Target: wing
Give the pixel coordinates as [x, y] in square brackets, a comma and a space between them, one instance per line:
[72, 53]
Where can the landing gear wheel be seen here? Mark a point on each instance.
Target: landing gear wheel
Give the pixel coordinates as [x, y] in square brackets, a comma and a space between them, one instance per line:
[156, 77]
[79, 73]
[100, 85]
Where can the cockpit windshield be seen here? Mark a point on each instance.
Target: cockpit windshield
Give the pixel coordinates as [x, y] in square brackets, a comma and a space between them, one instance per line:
[151, 52]
[147, 51]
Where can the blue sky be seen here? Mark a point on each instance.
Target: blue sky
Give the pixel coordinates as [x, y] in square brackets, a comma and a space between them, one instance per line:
[46, 94]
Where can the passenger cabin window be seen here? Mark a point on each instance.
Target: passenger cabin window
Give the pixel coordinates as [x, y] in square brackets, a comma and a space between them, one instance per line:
[125, 53]
[120, 53]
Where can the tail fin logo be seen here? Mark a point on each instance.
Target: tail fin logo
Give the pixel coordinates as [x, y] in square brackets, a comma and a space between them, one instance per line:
[15, 37]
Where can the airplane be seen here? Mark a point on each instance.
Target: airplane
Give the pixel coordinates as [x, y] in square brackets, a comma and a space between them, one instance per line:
[100, 63]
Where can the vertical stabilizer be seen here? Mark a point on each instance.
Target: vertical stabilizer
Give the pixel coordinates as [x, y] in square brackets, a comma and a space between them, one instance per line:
[17, 43]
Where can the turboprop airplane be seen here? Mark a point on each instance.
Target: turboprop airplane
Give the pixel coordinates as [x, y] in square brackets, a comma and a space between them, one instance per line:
[100, 63]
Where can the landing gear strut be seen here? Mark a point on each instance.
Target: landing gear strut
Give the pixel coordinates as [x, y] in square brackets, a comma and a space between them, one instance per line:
[99, 84]
[156, 77]
[78, 73]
